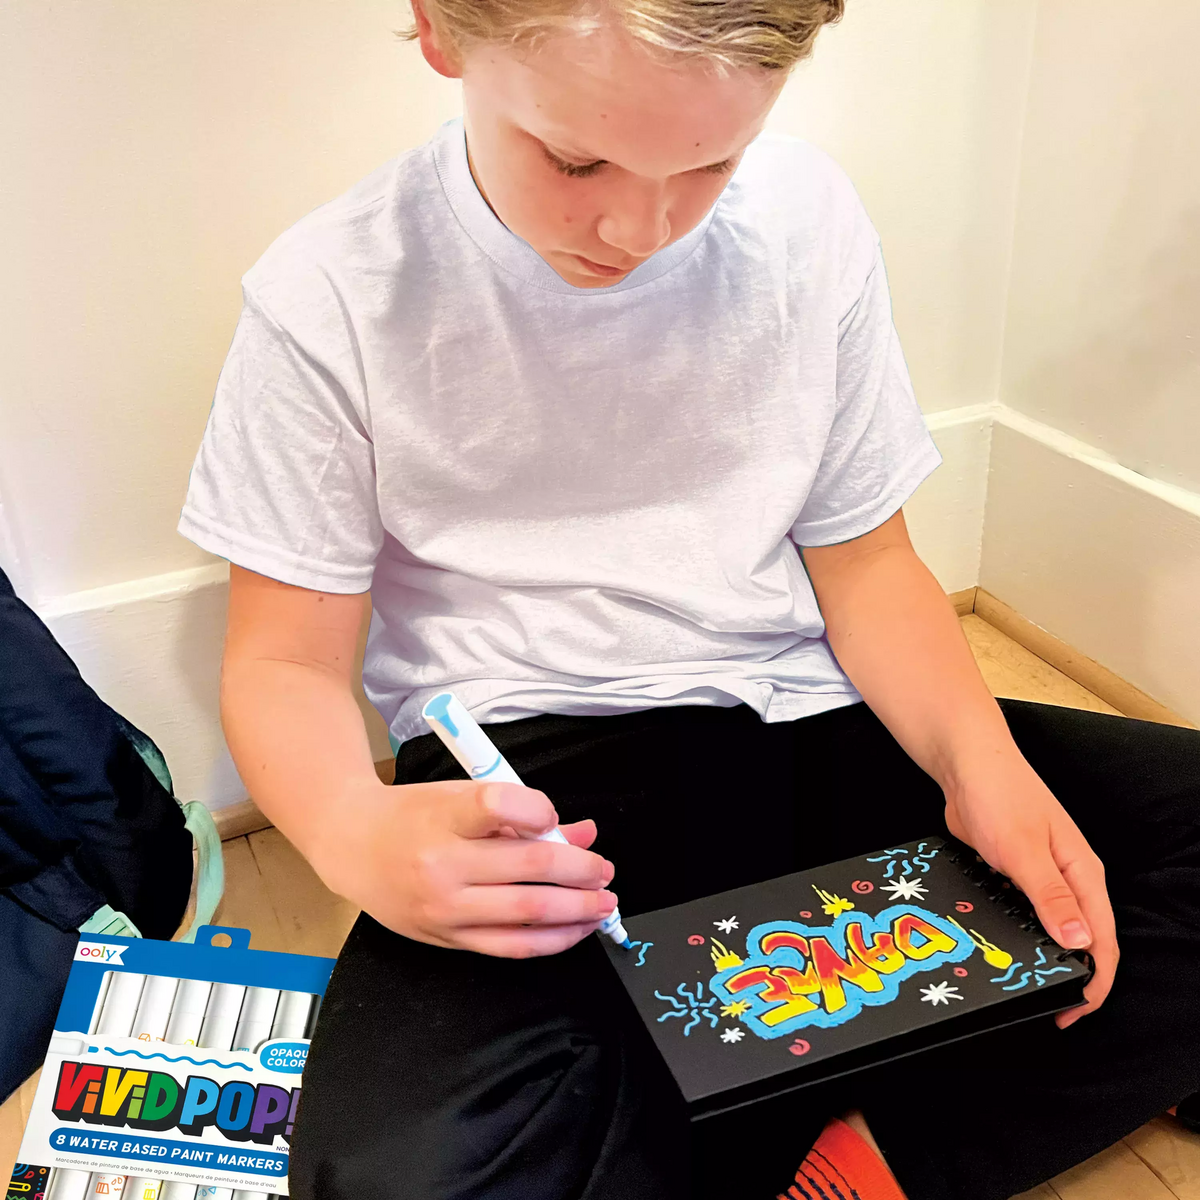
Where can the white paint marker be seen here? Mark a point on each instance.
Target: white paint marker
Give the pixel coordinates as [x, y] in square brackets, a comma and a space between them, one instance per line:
[187, 1012]
[107, 1185]
[292, 1015]
[478, 756]
[65, 1184]
[154, 1009]
[174, 1190]
[257, 1017]
[150, 1025]
[216, 1033]
[139, 1187]
[69, 1185]
[291, 1021]
[221, 1016]
[101, 996]
[120, 1004]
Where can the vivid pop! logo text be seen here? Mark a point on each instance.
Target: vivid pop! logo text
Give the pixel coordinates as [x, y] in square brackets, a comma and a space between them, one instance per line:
[140, 1099]
[795, 976]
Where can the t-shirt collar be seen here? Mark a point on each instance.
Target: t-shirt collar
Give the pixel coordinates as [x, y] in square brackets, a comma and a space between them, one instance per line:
[516, 255]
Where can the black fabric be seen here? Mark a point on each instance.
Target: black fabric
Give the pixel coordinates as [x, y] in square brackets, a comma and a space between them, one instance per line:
[84, 822]
[438, 1074]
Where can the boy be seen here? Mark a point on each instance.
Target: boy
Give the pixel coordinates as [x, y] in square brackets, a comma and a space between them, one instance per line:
[600, 397]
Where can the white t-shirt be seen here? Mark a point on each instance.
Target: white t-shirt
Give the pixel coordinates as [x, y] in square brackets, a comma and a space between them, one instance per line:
[563, 499]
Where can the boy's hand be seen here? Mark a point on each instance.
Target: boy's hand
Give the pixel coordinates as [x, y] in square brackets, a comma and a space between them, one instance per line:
[444, 863]
[1011, 818]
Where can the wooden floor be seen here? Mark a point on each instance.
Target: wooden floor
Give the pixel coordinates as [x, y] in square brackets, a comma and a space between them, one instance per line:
[272, 891]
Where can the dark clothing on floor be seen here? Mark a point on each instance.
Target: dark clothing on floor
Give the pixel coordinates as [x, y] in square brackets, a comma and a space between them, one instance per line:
[443, 1075]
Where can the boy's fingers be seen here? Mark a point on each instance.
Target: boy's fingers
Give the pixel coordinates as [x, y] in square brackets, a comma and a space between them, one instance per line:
[486, 809]
[525, 904]
[1085, 874]
[1054, 900]
[580, 833]
[520, 942]
[504, 860]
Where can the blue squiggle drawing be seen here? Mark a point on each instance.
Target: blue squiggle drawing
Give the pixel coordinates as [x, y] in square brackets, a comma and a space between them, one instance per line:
[918, 861]
[208, 1062]
[1052, 971]
[694, 1010]
[1008, 974]
[641, 960]
[1041, 958]
[1016, 987]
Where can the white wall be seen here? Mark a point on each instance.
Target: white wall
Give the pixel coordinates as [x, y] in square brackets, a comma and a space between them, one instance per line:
[151, 153]
[922, 104]
[1103, 336]
[1093, 512]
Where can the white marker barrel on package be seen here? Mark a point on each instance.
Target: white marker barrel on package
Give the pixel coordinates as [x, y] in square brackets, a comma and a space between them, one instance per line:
[69, 1185]
[173, 1190]
[107, 1185]
[102, 995]
[140, 1187]
[154, 1008]
[120, 1004]
[257, 1017]
[292, 1015]
[221, 1016]
[187, 1012]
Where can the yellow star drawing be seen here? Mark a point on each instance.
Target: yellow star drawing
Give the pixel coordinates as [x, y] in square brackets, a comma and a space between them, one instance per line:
[833, 904]
[736, 1008]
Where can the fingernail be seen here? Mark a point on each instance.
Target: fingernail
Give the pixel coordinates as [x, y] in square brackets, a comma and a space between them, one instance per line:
[606, 902]
[609, 872]
[1076, 935]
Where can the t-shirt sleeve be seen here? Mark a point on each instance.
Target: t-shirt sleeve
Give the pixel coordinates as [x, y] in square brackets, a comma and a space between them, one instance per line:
[284, 482]
[878, 449]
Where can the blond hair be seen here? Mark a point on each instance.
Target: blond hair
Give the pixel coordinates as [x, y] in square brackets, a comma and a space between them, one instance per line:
[774, 34]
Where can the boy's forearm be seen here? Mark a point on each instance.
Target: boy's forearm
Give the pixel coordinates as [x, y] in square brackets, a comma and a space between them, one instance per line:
[898, 638]
[299, 743]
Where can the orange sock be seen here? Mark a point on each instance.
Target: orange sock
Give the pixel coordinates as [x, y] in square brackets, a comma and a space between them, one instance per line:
[841, 1166]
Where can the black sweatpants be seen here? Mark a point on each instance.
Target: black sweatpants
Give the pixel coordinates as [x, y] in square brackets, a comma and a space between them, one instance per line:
[443, 1075]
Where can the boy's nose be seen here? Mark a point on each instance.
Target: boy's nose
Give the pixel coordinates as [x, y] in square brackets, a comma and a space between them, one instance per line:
[635, 221]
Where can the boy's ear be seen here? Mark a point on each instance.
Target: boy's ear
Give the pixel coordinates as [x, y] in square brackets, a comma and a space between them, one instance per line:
[440, 56]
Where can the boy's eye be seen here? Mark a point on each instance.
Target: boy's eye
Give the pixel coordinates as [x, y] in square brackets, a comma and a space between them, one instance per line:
[575, 170]
[582, 170]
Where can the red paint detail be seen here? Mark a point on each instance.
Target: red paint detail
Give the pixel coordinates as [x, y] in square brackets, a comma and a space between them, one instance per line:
[965, 906]
[695, 940]
[960, 972]
[799, 1046]
[862, 886]
[805, 913]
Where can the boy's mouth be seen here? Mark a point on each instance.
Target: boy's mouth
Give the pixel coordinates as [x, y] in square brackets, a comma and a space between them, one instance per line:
[602, 269]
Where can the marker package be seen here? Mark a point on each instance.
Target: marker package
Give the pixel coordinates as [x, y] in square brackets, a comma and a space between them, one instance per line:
[174, 1071]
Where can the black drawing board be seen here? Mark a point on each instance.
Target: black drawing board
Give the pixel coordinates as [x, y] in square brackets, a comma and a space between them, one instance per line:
[766, 988]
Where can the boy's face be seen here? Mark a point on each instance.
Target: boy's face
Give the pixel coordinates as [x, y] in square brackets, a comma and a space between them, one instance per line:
[596, 153]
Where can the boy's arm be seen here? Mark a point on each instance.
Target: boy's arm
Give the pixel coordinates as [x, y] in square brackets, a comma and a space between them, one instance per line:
[899, 640]
[430, 861]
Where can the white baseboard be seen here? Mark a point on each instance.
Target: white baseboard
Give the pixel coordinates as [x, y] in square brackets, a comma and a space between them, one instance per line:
[1102, 557]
